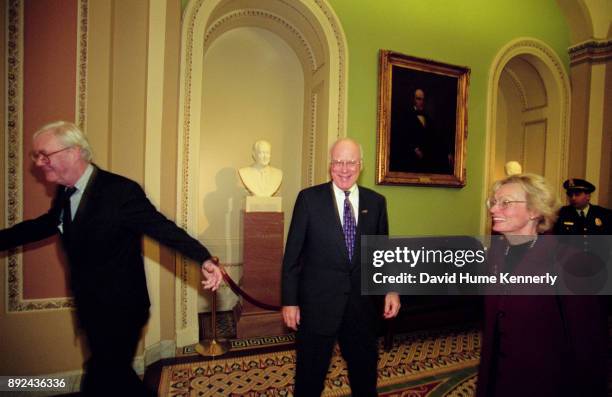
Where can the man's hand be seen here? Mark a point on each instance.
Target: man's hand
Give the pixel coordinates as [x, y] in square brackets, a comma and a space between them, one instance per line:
[212, 275]
[291, 315]
[392, 305]
[419, 153]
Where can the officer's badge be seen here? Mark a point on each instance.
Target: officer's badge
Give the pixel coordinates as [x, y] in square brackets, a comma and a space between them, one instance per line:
[598, 222]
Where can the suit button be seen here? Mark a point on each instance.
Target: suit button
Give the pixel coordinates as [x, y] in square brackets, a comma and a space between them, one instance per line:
[501, 314]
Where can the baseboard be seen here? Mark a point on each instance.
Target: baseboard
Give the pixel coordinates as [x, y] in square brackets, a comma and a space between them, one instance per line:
[160, 350]
[156, 352]
[187, 336]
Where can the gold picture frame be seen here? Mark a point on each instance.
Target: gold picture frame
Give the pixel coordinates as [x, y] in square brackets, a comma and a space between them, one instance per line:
[422, 122]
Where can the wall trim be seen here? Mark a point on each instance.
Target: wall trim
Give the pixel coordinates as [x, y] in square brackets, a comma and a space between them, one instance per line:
[14, 146]
[165, 348]
[592, 51]
[82, 36]
[257, 13]
[198, 27]
[547, 56]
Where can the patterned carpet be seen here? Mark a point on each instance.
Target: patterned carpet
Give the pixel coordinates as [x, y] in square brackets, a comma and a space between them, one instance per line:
[432, 364]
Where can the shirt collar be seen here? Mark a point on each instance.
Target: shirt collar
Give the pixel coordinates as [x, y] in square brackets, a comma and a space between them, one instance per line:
[82, 182]
[340, 192]
[585, 209]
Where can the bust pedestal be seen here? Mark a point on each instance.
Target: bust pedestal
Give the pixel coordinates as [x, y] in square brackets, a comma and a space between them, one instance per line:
[263, 204]
[262, 257]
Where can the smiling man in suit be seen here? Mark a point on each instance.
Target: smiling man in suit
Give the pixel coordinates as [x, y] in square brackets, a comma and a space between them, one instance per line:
[321, 277]
[102, 217]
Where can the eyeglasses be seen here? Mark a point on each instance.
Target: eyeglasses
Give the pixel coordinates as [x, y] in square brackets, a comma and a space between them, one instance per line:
[44, 157]
[349, 164]
[503, 204]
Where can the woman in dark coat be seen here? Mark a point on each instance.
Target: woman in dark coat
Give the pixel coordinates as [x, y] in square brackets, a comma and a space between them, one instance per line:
[544, 345]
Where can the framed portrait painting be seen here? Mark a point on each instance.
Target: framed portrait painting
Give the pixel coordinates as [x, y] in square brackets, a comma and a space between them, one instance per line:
[422, 122]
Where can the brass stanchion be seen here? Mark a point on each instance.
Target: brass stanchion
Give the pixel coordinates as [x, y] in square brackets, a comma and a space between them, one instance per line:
[213, 347]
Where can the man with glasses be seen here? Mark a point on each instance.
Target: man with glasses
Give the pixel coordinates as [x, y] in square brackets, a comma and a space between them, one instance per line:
[321, 276]
[582, 217]
[102, 217]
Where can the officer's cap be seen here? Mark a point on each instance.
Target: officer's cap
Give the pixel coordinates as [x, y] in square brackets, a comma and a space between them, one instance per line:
[578, 185]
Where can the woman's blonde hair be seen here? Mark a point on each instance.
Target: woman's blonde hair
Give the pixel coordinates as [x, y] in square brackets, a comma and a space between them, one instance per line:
[539, 195]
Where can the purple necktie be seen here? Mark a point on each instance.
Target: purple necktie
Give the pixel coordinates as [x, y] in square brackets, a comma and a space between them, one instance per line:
[349, 225]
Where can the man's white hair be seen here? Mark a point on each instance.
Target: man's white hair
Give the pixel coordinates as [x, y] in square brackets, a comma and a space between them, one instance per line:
[69, 135]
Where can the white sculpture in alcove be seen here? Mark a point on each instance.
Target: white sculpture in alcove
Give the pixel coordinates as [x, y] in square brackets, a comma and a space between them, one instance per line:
[513, 168]
[260, 178]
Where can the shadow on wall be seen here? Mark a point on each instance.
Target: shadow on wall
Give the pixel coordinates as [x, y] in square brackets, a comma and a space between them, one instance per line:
[222, 209]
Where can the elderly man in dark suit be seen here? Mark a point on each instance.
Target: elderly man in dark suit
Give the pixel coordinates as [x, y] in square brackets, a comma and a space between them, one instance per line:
[321, 277]
[102, 217]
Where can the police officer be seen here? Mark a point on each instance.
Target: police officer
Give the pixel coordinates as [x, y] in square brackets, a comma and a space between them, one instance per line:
[581, 217]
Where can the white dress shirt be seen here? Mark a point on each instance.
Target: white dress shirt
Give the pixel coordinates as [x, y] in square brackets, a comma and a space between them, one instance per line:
[353, 198]
[75, 199]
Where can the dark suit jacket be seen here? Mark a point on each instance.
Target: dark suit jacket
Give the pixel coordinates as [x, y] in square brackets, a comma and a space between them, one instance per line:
[408, 134]
[104, 246]
[598, 221]
[317, 273]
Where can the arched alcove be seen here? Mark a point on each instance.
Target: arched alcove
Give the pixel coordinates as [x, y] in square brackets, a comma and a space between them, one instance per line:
[527, 113]
[253, 88]
[312, 31]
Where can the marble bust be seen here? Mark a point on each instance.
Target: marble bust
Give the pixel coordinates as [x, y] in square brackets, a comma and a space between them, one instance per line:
[260, 178]
[513, 168]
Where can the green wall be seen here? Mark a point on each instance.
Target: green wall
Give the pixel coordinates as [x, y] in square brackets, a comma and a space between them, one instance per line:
[467, 33]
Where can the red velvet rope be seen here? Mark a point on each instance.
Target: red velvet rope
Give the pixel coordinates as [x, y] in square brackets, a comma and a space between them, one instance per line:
[240, 292]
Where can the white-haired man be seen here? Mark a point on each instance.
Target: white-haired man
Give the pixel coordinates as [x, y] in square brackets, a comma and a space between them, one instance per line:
[321, 281]
[102, 217]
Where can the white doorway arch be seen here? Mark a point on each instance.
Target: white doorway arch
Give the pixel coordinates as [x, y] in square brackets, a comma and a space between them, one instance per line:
[528, 110]
[313, 31]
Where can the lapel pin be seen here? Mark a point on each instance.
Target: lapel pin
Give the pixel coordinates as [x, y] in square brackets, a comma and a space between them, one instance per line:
[364, 211]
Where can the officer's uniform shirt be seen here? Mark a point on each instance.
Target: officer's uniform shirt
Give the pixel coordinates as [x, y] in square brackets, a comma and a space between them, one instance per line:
[596, 221]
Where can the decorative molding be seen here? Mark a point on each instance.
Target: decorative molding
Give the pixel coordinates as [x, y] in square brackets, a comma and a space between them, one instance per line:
[594, 51]
[312, 140]
[342, 63]
[14, 97]
[82, 35]
[197, 29]
[266, 15]
[561, 83]
[550, 58]
[515, 81]
[182, 263]
[14, 146]
[184, 283]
